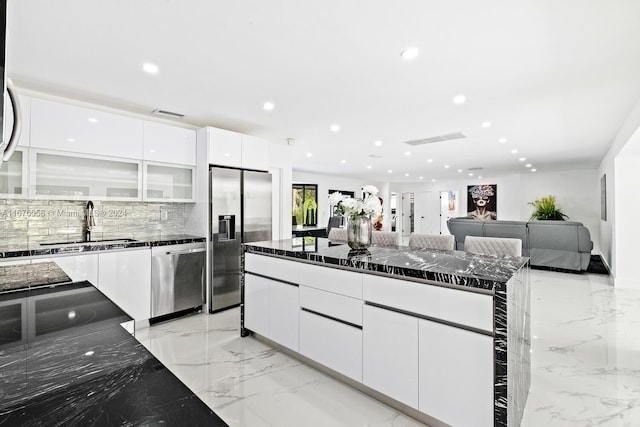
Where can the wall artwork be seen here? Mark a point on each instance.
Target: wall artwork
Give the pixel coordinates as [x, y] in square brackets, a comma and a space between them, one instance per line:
[482, 202]
[603, 197]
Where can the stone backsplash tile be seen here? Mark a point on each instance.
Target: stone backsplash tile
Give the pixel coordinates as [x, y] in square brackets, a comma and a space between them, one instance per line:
[24, 222]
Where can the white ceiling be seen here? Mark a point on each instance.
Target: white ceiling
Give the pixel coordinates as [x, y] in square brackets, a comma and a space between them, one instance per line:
[556, 78]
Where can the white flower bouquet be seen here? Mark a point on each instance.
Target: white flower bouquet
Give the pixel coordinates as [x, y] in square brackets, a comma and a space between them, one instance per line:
[347, 206]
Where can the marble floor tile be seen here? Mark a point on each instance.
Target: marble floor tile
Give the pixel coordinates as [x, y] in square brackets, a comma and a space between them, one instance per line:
[585, 365]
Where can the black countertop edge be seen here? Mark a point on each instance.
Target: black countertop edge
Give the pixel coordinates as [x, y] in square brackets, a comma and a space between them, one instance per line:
[485, 274]
[37, 250]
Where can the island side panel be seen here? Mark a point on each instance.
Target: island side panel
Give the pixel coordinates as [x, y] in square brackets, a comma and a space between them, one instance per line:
[519, 344]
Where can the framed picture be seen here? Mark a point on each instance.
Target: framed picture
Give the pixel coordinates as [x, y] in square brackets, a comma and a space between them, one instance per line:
[603, 197]
[482, 202]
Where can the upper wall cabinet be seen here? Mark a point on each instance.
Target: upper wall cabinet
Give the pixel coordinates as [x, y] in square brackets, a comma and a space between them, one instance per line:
[255, 153]
[169, 144]
[70, 128]
[227, 148]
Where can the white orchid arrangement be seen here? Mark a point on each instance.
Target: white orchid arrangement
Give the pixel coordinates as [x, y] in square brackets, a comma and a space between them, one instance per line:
[347, 206]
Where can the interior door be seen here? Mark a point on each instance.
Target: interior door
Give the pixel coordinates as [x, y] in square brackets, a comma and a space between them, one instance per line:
[426, 214]
[407, 214]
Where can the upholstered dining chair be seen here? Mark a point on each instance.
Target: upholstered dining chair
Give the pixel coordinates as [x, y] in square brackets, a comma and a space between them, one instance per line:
[493, 245]
[385, 238]
[337, 234]
[432, 241]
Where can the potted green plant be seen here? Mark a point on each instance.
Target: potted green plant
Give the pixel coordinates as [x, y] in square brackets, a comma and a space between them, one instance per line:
[546, 209]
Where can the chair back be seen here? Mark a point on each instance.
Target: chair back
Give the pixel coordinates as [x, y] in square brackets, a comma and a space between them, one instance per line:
[385, 238]
[432, 241]
[493, 246]
[338, 234]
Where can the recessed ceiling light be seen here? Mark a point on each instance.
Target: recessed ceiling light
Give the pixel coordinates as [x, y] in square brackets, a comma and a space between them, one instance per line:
[533, 170]
[479, 177]
[502, 140]
[268, 106]
[335, 128]
[486, 124]
[389, 171]
[93, 120]
[514, 151]
[459, 170]
[226, 154]
[420, 177]
[377, 143]
[407, 153]
[150, 68]
[446, 166]
[470, 173]
[459, 99]
[429, 160]
[433, 180]
[368, 166]
[409, 53]
[528, 165]
[71, 139]
[343, 161]
[406, 174]
[309, 154]
[522, 159]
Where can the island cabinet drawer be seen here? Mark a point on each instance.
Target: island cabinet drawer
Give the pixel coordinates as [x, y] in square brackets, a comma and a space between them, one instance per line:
[331, 343]
[330, 279]
[344, 308]
[276, 268]
[461, 307]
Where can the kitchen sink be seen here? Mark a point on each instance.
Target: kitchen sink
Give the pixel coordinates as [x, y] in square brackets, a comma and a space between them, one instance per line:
[92, 242]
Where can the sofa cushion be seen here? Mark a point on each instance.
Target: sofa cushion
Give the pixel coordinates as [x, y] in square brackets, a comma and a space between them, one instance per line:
[510, 230]
[462, 227]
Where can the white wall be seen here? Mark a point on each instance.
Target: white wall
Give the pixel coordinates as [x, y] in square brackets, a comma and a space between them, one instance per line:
[332, 182]
[280, 161]
[626, 141]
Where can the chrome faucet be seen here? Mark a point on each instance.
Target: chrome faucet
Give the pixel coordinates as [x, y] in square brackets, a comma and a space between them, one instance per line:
[89, 222]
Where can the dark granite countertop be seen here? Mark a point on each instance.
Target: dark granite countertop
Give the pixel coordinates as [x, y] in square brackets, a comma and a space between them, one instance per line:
[450, 267]
[13, 251]
[66, 360]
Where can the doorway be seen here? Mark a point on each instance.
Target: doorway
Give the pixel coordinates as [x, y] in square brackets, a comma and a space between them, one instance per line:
[407, 214]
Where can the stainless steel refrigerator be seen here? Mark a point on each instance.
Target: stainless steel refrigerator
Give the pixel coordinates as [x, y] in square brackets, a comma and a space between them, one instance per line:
[239, 212]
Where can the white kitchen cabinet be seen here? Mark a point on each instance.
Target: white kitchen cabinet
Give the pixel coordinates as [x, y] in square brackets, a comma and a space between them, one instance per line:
[169, 144]
[255, 153]
[283, 314]
[168, 183]
[256, 304]
[332, 343]
[225, 147]
[277, 268]
[125, 278]
[390, 354]
[458, 306]
[14, 175]
[77, 267]
[333, 305]
[71, 128]
[456, 368]
[70, 176]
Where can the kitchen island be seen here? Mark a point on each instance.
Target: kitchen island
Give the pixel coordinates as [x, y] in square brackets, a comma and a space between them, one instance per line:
[442, 335]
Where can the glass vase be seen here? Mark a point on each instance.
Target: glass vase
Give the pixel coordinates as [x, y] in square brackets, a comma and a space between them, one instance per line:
[359, 232]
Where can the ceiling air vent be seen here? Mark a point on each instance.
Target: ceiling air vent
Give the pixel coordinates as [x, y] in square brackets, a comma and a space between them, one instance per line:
[439, 138]
[477, 168]
[166, 113]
